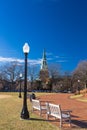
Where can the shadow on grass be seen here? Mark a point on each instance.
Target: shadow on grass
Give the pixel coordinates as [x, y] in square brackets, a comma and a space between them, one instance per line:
[81, 124]
[76, 123]
[37, 119]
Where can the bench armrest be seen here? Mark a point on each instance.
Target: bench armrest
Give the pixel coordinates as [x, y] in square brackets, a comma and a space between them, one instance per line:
[66, 111]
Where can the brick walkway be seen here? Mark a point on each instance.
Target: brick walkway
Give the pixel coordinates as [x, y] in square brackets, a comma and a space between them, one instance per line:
[79, 109]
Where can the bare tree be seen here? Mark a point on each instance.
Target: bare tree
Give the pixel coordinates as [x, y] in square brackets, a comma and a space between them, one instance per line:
[67, 81]
[80, 73]
[10, 72]
[54, 74]
[33, 73]
[54, 70]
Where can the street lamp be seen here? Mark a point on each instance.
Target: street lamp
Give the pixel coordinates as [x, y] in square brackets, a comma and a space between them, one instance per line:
[78, 86]
[20, 86]
[86, 86]
[24, 112]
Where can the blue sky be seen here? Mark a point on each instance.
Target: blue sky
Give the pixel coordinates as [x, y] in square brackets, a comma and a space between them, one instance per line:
[59, 26]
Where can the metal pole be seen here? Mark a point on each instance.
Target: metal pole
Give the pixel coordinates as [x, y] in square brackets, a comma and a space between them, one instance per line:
[78, 86]
[20, 89]
[25, 113]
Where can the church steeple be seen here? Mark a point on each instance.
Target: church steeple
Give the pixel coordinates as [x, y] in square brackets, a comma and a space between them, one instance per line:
[44, 61]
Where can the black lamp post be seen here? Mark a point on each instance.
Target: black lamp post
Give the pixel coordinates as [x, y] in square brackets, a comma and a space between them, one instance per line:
[86, 86]
[78, 86]
[20, 86]
[24, 112]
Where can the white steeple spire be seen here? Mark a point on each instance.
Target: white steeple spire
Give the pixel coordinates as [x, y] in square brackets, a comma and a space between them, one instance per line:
[44, 61]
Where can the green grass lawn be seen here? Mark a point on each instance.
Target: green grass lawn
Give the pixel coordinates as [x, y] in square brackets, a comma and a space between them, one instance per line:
[79, 97]
[10, 109]
[76, 96]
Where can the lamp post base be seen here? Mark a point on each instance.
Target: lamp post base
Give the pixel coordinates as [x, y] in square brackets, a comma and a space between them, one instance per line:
[25, 113]
[20, 96]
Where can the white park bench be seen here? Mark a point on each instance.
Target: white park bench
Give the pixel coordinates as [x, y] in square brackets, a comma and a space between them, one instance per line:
[36, 105]
[55, 111]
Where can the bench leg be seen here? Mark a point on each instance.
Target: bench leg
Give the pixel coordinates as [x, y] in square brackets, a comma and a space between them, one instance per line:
[70, 121]
[47, 116]
[40, 112]
[60, 123]
[32, 109]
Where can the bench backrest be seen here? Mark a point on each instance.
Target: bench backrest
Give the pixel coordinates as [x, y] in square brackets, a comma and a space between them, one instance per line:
[54, 110]
[36, 104]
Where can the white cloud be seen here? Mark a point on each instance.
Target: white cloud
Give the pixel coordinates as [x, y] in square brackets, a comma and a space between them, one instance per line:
[49, 54]
[6, 59]
[3, 59]
[32, 61]
[35, 62]
[49, 58]
[57, 57]
[61, 61]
